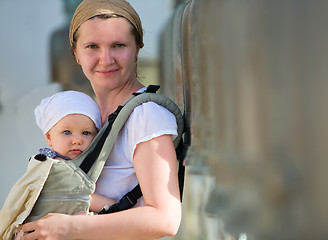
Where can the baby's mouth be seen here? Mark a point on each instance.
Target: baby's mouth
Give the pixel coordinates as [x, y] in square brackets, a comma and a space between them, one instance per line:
[76, 151]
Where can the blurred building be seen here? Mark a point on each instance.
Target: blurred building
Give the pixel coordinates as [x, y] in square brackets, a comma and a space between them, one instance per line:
[64, 68]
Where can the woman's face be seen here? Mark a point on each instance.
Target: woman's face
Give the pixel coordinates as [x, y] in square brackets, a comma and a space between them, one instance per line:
[107, 52]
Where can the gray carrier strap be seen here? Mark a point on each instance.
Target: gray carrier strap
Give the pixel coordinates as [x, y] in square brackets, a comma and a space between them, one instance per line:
[93, 160]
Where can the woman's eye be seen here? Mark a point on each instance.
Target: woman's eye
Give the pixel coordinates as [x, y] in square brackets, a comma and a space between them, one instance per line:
[92, 46]
[67, 132]
[86, 133]
[119, 45]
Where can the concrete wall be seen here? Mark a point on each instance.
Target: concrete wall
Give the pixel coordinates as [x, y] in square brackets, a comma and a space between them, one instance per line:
[252, 78]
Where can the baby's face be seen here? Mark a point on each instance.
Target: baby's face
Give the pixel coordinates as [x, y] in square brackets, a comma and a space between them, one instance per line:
[71, 135]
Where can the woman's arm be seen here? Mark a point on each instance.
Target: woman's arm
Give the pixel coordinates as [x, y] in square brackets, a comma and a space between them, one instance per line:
[156, 168]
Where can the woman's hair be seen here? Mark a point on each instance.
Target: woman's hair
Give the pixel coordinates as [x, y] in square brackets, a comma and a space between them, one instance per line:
[89, 9]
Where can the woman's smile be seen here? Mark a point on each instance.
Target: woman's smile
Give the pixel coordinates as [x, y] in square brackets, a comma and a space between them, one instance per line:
[107, 72]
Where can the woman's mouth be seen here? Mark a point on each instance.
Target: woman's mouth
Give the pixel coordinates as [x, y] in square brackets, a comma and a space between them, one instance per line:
[107, 72]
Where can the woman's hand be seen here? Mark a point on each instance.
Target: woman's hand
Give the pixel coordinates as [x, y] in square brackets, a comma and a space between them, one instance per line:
[53, 226]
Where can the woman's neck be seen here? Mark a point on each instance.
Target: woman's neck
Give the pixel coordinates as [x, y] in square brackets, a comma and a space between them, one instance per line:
[109, 100]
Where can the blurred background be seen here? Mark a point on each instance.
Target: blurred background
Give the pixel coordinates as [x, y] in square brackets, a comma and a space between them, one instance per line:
[36, 61]
[251, 79]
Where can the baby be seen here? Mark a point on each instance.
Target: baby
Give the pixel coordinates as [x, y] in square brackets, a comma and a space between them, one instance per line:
[69, 121]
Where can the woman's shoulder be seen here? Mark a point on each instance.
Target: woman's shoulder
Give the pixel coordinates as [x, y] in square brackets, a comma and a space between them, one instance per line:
[151, 116]
[152, 110]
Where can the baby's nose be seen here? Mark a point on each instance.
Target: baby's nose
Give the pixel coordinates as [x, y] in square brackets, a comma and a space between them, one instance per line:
[77, 140]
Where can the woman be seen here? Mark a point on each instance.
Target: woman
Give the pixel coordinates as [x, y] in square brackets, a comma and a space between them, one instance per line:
[106, 36]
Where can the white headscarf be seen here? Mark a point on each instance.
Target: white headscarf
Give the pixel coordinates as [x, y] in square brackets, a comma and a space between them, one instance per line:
[59, 105]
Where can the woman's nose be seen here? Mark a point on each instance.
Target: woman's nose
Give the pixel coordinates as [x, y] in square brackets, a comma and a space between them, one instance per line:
[106, 57]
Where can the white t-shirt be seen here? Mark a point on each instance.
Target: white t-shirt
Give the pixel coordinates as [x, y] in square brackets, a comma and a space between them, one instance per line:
[147, 121]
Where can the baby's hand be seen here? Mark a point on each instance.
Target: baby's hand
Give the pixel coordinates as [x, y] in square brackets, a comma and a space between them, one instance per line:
[19, 235]
[97, 202]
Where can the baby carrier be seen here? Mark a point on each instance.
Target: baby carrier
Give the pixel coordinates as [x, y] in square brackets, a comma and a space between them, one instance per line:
[56, 186]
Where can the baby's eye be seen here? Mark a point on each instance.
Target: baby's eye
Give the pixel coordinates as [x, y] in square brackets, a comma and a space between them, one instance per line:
[86, 133]
[67, 132]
